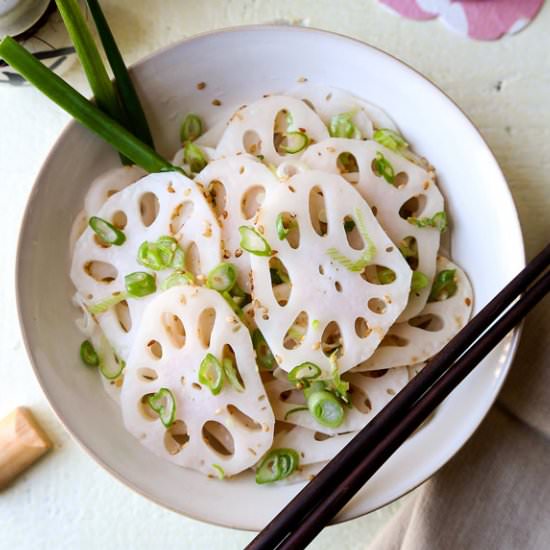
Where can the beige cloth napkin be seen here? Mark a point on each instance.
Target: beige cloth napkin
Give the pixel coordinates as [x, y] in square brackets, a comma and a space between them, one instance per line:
[495, 493]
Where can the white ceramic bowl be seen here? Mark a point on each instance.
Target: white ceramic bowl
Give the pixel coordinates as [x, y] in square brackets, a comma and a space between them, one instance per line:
[238, 66]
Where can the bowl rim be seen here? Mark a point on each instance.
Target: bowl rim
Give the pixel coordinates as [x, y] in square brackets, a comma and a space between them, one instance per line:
[119, 476]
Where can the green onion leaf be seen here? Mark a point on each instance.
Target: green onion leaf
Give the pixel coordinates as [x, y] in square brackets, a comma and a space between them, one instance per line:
[303, 373]
[164, 404]
[163, 254]
[419, 281]
[390, 139]
[140, 284]
[408, 248]
[383, 168]
[136, 120]
[220, 472]
[340, 386]
[253, 242]
[80, 108]
[264, 356]
[211, 374]
[107, 232]
[315, 324]
[191, 128]
[325, 407]
[88, 354]
[277, 464]
[176, 278]
[222, 278]
[444, 286]
[341, 126]
[231, 374]
[103, 305]
[438, 220]
[194, 156]
[294, 142]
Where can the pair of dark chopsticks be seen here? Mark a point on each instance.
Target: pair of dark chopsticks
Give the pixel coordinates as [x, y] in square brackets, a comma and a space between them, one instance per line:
[321, 499]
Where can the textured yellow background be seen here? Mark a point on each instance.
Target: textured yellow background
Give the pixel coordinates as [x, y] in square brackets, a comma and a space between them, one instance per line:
[66, 501]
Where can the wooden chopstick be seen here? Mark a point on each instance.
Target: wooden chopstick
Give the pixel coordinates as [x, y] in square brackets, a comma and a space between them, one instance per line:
[340, 496]
[338, 469]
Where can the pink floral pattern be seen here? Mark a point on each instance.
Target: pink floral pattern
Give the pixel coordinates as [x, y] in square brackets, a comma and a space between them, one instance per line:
[478, 19]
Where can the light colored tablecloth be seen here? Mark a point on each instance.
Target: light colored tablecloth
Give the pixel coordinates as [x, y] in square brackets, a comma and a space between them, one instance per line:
[66, 501]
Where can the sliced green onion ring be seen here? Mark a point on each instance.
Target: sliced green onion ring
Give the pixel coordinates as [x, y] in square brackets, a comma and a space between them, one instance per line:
[264, 356]
[284, 226]
[383, 168]
[438, 221]
[253, 242]
[419, 281]
[304, 373]
[390, 139]
[164, 404]
[444, 286]
[294, 410]
[103, 305]
[231, 374]
[295, 142]
[191, 128]
[211, 374]
[325, 407]
[106, 231]
[223, 277]
[220, 472]
[111, 369]
[88, 354]
[277, 464]
[341, 126]
[176, 278]
[194, 156]
[140, 284]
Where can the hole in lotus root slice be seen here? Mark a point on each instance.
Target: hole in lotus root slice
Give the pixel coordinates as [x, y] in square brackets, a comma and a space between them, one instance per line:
[174, 329]
[251, 201]
[146, 374]
[243, 419]
[280, 129]
[401, 179]
[317, 211]
[378, 275]
[393, 340]
[409, 249]
[376, 305]
[193, 259]
[218, 438]
[297, 331]
[218, 197]
[149, 207]
[413, 207]
[176, 437]
[207, 318]
[353, 236]
[155, 349]
[320, 436]
[294, 397]
[291, 225]
[362, 328]
[252, 143]
[119, 219]
[427, 321]
[229, 354]
[332, 340]
[359, 399]
[347, 166]
[122, 312]
[181, 214]
[375, 373]
[145, 409]
[102, 272]
[280, 282]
